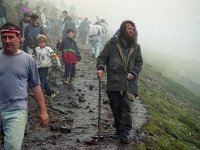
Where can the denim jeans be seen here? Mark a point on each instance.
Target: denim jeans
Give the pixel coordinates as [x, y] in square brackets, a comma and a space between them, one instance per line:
[70, 70]
[43, 73]
[13, 124]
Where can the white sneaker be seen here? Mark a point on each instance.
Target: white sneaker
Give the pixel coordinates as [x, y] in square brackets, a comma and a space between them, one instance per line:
[52, 97]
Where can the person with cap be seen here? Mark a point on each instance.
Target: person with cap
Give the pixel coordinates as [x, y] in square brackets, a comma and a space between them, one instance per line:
[123, 61]
[17, 71]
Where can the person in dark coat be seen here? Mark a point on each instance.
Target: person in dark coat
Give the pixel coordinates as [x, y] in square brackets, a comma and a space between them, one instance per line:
[123, 61]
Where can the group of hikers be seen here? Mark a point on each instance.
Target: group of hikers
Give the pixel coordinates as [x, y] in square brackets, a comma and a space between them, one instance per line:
[25, 59]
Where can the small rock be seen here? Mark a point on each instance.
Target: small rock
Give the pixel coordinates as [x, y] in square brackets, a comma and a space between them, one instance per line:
[69, 119]
[81, 99]
[78, 140]
[82, 75]
[87, 107]
[65, 129]
[91, 111]
[91, 87]
[73, 103]
[54, 127]
[56, 135]
[105, 102]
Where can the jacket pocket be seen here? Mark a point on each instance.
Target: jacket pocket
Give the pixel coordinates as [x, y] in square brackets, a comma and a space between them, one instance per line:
[114, 79]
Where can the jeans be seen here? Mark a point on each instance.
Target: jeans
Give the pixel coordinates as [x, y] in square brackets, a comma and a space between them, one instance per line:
[70, 70]
[43, 73]
[13, 124]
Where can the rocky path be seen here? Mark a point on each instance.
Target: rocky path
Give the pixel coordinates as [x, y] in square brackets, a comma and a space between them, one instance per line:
[74, 115]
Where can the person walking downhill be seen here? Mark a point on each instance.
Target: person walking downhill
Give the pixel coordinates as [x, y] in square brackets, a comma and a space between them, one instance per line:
[17, 71]
[30, 34]
[43, 57]
[123, 60]
[70, 55]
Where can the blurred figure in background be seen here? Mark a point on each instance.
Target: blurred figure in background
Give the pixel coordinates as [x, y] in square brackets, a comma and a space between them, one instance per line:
[3, 13]
[95, 35]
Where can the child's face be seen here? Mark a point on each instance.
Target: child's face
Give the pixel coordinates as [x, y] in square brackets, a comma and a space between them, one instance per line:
[42, 44]
[70, 35]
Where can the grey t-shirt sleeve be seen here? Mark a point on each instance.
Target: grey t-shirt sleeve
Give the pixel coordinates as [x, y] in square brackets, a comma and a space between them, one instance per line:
[34, 78]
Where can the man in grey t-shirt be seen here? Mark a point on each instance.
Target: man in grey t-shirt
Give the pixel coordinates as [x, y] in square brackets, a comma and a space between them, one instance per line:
[17, 71]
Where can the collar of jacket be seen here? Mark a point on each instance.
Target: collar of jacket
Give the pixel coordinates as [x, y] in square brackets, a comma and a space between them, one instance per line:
[130, 51]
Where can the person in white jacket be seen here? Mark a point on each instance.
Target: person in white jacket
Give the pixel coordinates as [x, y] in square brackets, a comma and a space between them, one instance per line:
[43, 58]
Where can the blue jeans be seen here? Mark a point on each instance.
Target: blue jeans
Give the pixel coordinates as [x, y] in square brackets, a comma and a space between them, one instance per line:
[13, 124]
[70, 70]
[43, 72]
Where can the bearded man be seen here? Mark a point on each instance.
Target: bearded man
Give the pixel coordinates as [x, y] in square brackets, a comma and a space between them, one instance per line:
[123, 61]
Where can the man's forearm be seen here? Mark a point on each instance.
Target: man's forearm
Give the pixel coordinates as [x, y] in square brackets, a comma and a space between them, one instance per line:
[39, 97]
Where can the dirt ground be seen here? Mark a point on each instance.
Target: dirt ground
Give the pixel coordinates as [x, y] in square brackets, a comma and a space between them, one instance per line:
[74, 114]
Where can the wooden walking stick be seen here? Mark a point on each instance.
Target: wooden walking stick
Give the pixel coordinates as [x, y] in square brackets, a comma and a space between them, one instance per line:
[99, 111]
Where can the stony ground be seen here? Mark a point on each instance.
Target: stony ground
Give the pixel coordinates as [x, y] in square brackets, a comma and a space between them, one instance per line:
[74, 114]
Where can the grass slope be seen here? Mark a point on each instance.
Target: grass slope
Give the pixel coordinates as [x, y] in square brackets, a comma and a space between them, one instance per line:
[174, 116]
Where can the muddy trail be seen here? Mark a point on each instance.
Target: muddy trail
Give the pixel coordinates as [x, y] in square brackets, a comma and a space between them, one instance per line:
[74, 114]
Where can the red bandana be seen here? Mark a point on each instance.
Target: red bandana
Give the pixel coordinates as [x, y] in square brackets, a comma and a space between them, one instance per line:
[10, 31]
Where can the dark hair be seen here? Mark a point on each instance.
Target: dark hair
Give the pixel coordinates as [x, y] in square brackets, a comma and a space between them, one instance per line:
[34, 16]
[123, 29]
[70, 30]
[65, 12]
[26, 15]
[10, 26]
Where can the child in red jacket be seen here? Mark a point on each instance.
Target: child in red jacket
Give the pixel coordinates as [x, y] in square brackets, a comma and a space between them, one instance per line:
[70, 55]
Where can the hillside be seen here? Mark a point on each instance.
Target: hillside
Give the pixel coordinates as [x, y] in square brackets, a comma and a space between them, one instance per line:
[176, 67]
[174, 116]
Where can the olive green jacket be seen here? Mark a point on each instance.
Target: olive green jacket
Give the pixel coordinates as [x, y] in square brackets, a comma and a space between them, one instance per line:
[117, 67]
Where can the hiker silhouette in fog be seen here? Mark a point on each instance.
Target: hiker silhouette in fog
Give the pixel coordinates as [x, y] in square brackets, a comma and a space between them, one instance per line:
[83, 31]
[17, 71]
[95, 38]
[123, 61]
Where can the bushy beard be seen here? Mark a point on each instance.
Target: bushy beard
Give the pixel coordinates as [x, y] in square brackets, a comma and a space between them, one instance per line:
[129, 38]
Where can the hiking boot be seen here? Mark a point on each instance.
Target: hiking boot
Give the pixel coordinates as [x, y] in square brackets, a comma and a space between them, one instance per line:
[124, 137]
[66, 81]
[71, 80]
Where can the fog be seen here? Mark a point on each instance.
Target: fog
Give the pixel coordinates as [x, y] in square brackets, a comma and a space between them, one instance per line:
[170, 27]
[166, 27]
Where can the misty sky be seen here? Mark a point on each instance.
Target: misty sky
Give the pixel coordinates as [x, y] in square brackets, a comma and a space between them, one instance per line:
[168, 26]
[171, 25]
